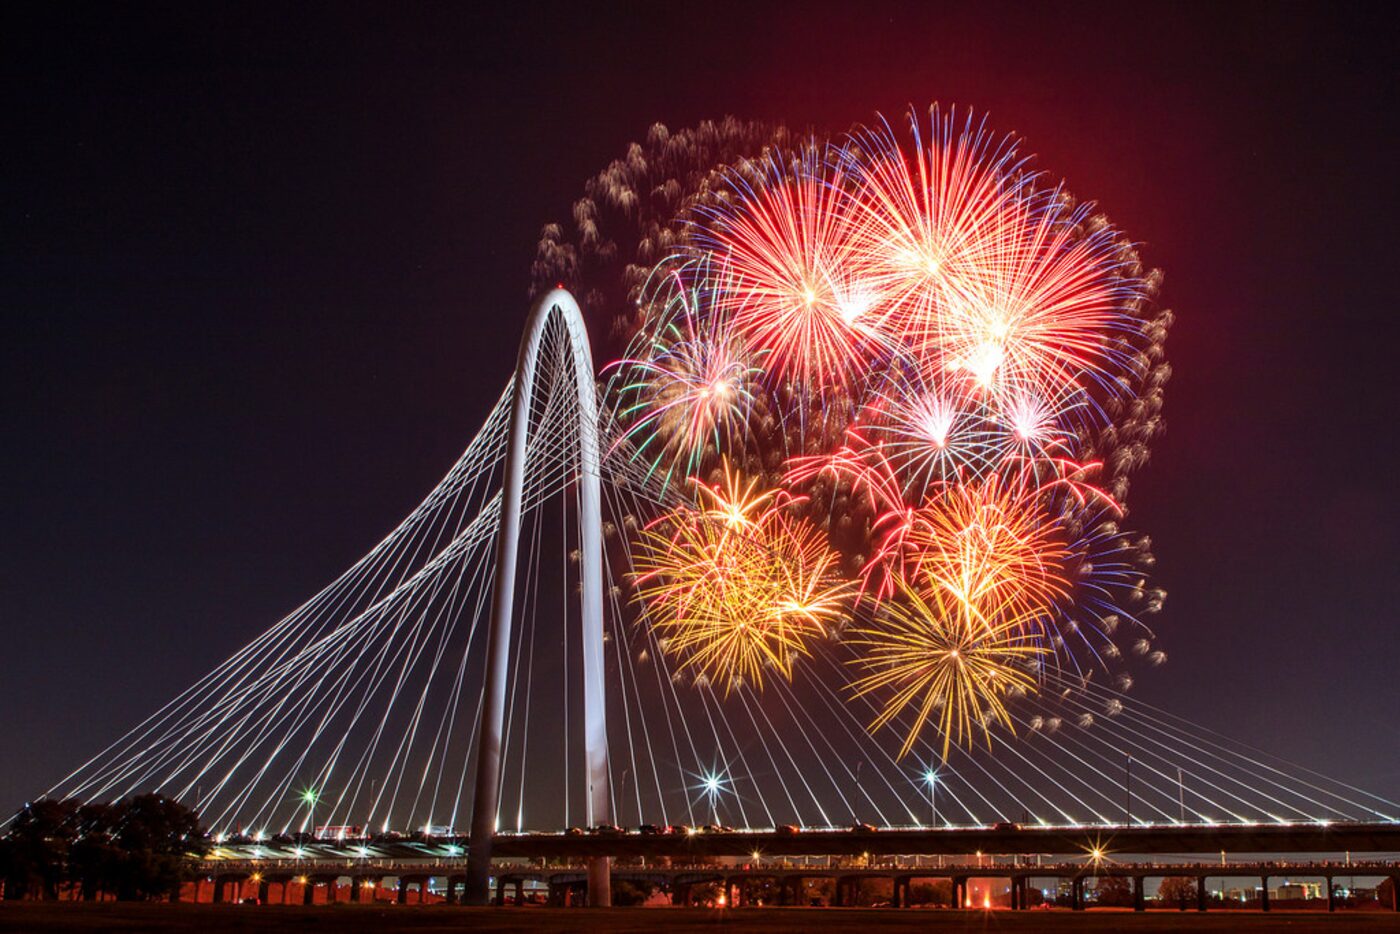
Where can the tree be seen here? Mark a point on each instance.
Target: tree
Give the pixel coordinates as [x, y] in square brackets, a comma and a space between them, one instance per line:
[937, 892]
[140, 848]
[626, 893]
[1177, 890]
[1113, 891]
[158, 838]
[34, 861]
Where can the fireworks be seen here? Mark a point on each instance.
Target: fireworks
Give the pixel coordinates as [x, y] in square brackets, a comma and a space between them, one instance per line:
[935, 371]
[687, 389]
[934, 661]
[798, 289]
[738, 587]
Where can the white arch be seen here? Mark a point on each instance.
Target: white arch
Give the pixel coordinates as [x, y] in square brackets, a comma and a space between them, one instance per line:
[488, 763]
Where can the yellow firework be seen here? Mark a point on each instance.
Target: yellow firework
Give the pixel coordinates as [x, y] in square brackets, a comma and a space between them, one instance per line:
[737, 587]
[939, 663]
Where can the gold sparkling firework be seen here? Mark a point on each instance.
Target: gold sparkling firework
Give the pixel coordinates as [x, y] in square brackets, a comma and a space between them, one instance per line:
[737, 586]
[938, 663]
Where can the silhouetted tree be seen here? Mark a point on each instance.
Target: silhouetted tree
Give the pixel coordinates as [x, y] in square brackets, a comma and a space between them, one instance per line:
[1177, 890]
[139, 848]
[34, 860]
[1113, 891]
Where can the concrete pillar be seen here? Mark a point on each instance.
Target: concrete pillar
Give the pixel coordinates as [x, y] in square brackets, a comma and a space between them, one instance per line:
[402, 897]
[1201, 893]
[1076, 899]
[1331, 896]
[959, 892]
[308, 892]
[1395, 893]
[1264, 893]
[1139, 893]
[264, 889]
[600, 881]
[357, 884]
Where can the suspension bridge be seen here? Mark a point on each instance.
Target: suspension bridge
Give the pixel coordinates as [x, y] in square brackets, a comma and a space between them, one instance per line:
[480, 684]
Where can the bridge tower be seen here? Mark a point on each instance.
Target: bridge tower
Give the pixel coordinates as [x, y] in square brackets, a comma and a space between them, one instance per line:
[558, 303]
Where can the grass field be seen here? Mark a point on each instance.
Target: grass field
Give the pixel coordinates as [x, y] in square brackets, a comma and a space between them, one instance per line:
[352, 919]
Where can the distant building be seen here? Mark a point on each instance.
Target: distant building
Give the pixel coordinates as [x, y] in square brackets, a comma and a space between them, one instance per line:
[1297, 890]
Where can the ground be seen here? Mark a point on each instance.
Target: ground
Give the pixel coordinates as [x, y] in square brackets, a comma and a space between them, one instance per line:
[351, 919]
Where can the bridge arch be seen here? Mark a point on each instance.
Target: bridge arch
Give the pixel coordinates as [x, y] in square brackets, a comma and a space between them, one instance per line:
[558, 303]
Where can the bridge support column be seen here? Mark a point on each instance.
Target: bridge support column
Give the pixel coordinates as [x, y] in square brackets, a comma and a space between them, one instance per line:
[1331, 896]
[1076, 897]
[264, 890]
[1139, 893]
[600, 882]
[900, 897]
[308, 892]
[959, 891]
[1264, 893]
[1200, 893]
[1395, 893]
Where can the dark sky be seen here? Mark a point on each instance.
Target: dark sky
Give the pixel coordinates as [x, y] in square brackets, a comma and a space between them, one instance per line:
[263, 273]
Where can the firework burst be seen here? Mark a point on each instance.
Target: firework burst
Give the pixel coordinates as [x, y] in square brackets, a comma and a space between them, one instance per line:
[685, 391]
[738, 587]
[799, 289]
[934, 662]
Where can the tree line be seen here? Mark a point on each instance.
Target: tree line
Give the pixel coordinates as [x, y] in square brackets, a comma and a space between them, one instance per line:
[142, 847]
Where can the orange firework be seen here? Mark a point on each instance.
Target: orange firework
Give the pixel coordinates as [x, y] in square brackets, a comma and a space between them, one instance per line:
[990, 549]
[737, 586]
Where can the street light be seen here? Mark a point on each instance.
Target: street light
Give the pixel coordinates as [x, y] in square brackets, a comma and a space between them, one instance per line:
[712, 785]
[931, 777]
[308, 798]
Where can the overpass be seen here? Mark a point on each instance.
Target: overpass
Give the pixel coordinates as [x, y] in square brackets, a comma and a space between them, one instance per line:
[781, 882]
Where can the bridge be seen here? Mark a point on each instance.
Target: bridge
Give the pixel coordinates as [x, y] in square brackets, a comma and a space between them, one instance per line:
[465, 670]
[775, 880]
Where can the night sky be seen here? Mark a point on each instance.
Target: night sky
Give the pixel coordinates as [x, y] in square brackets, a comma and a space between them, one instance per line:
[264, 272]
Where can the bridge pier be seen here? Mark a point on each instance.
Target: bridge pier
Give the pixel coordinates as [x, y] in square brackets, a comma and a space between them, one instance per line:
[600, 882]
[1264, 893]
[1331, 896]
[1200, 893]
[1139, 893]
[1076, 894]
